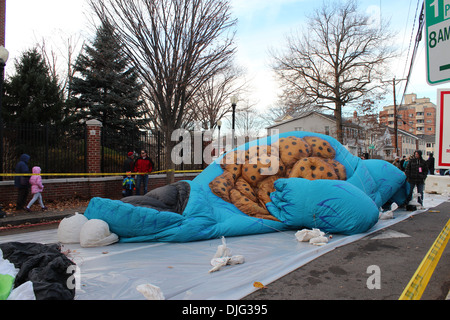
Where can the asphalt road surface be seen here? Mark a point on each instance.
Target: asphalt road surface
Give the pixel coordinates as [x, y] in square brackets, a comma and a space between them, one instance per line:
[377, 267]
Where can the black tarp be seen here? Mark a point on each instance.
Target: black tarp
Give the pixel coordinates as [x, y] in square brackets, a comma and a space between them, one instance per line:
[44, 265]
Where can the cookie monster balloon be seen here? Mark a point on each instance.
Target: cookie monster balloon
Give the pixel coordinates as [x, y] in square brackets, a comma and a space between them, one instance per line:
[285, 182]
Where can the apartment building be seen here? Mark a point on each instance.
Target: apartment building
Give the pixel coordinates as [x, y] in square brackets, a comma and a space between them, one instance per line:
[414, 115]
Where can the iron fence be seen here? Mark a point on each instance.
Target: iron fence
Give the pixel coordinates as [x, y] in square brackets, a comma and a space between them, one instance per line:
[116, 145]
[64, 150]
[54, 149]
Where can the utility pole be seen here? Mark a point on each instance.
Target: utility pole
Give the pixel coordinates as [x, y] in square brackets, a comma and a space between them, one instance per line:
[394, 83]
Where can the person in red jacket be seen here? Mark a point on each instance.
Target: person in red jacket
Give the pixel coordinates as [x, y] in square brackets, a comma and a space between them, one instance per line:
[142, 167]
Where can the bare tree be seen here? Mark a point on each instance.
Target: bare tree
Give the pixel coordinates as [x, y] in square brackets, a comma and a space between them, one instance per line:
[337, 61]
[249, 122]
[212, 101]
[65, 73]
[176, 46]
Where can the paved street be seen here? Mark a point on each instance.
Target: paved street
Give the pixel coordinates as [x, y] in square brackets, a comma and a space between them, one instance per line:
[343, 273]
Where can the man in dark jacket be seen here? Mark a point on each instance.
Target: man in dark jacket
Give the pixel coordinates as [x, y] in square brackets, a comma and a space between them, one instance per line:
[128, 164]
[430, 164]
[142, 167]
[21, 182]
[416, 172]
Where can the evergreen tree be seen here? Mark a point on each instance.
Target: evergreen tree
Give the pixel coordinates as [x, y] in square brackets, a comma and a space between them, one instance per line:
[32, 94]
[105, 87]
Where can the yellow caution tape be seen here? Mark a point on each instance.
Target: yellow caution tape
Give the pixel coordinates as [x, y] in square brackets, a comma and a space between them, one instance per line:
[419, 281]
[92, 174]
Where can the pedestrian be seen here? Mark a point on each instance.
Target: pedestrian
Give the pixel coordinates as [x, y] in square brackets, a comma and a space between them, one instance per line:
[402, 162]
[128, 164]
[405, 164]
[397, 162]
[128, 185]
[416, 172]
[36, 189]
[142, 167]
[430, 164]
[22, 182]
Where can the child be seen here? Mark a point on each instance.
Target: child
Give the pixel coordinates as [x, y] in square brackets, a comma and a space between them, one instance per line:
[36, 189]
[128, 185]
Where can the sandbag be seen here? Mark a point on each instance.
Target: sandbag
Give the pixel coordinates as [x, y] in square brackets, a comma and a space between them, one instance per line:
[95, 233]
[69, 228]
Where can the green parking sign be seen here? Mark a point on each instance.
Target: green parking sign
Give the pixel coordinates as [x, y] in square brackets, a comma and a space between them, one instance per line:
[437, 19]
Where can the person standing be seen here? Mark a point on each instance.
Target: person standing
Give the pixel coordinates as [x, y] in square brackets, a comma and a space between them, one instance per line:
[407, 160]
[416, 172]
[128, 164]
[402, 167]
[128, 185]
[397, 162]
[142, 167]
[22, 182]
[430, 164]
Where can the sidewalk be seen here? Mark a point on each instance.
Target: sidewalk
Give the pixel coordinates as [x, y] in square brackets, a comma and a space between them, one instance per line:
[36, 217]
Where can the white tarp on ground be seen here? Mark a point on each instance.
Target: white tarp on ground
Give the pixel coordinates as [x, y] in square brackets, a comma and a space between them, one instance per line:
[182, 270]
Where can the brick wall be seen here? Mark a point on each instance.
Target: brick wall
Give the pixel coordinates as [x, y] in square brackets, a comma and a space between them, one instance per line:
[83, 188]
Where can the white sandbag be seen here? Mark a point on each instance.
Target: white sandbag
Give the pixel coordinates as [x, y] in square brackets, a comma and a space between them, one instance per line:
[69, 228]
[386, 215]
[319, 241]
[218, 263]
[223, 257]
[306, 235]
[6, 267]
[95, 233]
[150, 292]
[23, 292]
[222, 250]
[415, 201]
[237, 259]
[314, 236]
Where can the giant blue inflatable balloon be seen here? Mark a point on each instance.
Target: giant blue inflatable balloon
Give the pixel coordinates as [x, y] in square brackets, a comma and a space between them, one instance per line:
[251, 195]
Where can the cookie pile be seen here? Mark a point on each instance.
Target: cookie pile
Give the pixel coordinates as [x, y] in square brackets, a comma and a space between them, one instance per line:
[249, 176]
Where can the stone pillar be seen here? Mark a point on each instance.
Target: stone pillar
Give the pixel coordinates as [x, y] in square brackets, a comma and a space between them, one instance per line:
[94, 146]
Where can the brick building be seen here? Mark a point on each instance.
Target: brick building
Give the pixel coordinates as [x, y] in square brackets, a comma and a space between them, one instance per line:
[416, 116]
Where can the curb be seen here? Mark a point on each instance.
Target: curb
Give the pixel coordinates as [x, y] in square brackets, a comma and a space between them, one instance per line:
[31, 219]
[19, 221]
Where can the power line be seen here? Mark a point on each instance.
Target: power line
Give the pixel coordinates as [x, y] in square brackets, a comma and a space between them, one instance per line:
[412, 35]
[416, 46]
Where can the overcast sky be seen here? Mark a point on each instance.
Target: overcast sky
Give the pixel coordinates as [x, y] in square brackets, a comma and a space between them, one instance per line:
[261, 24]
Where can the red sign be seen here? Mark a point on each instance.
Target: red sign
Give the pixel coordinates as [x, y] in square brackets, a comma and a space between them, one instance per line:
[442, 147]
